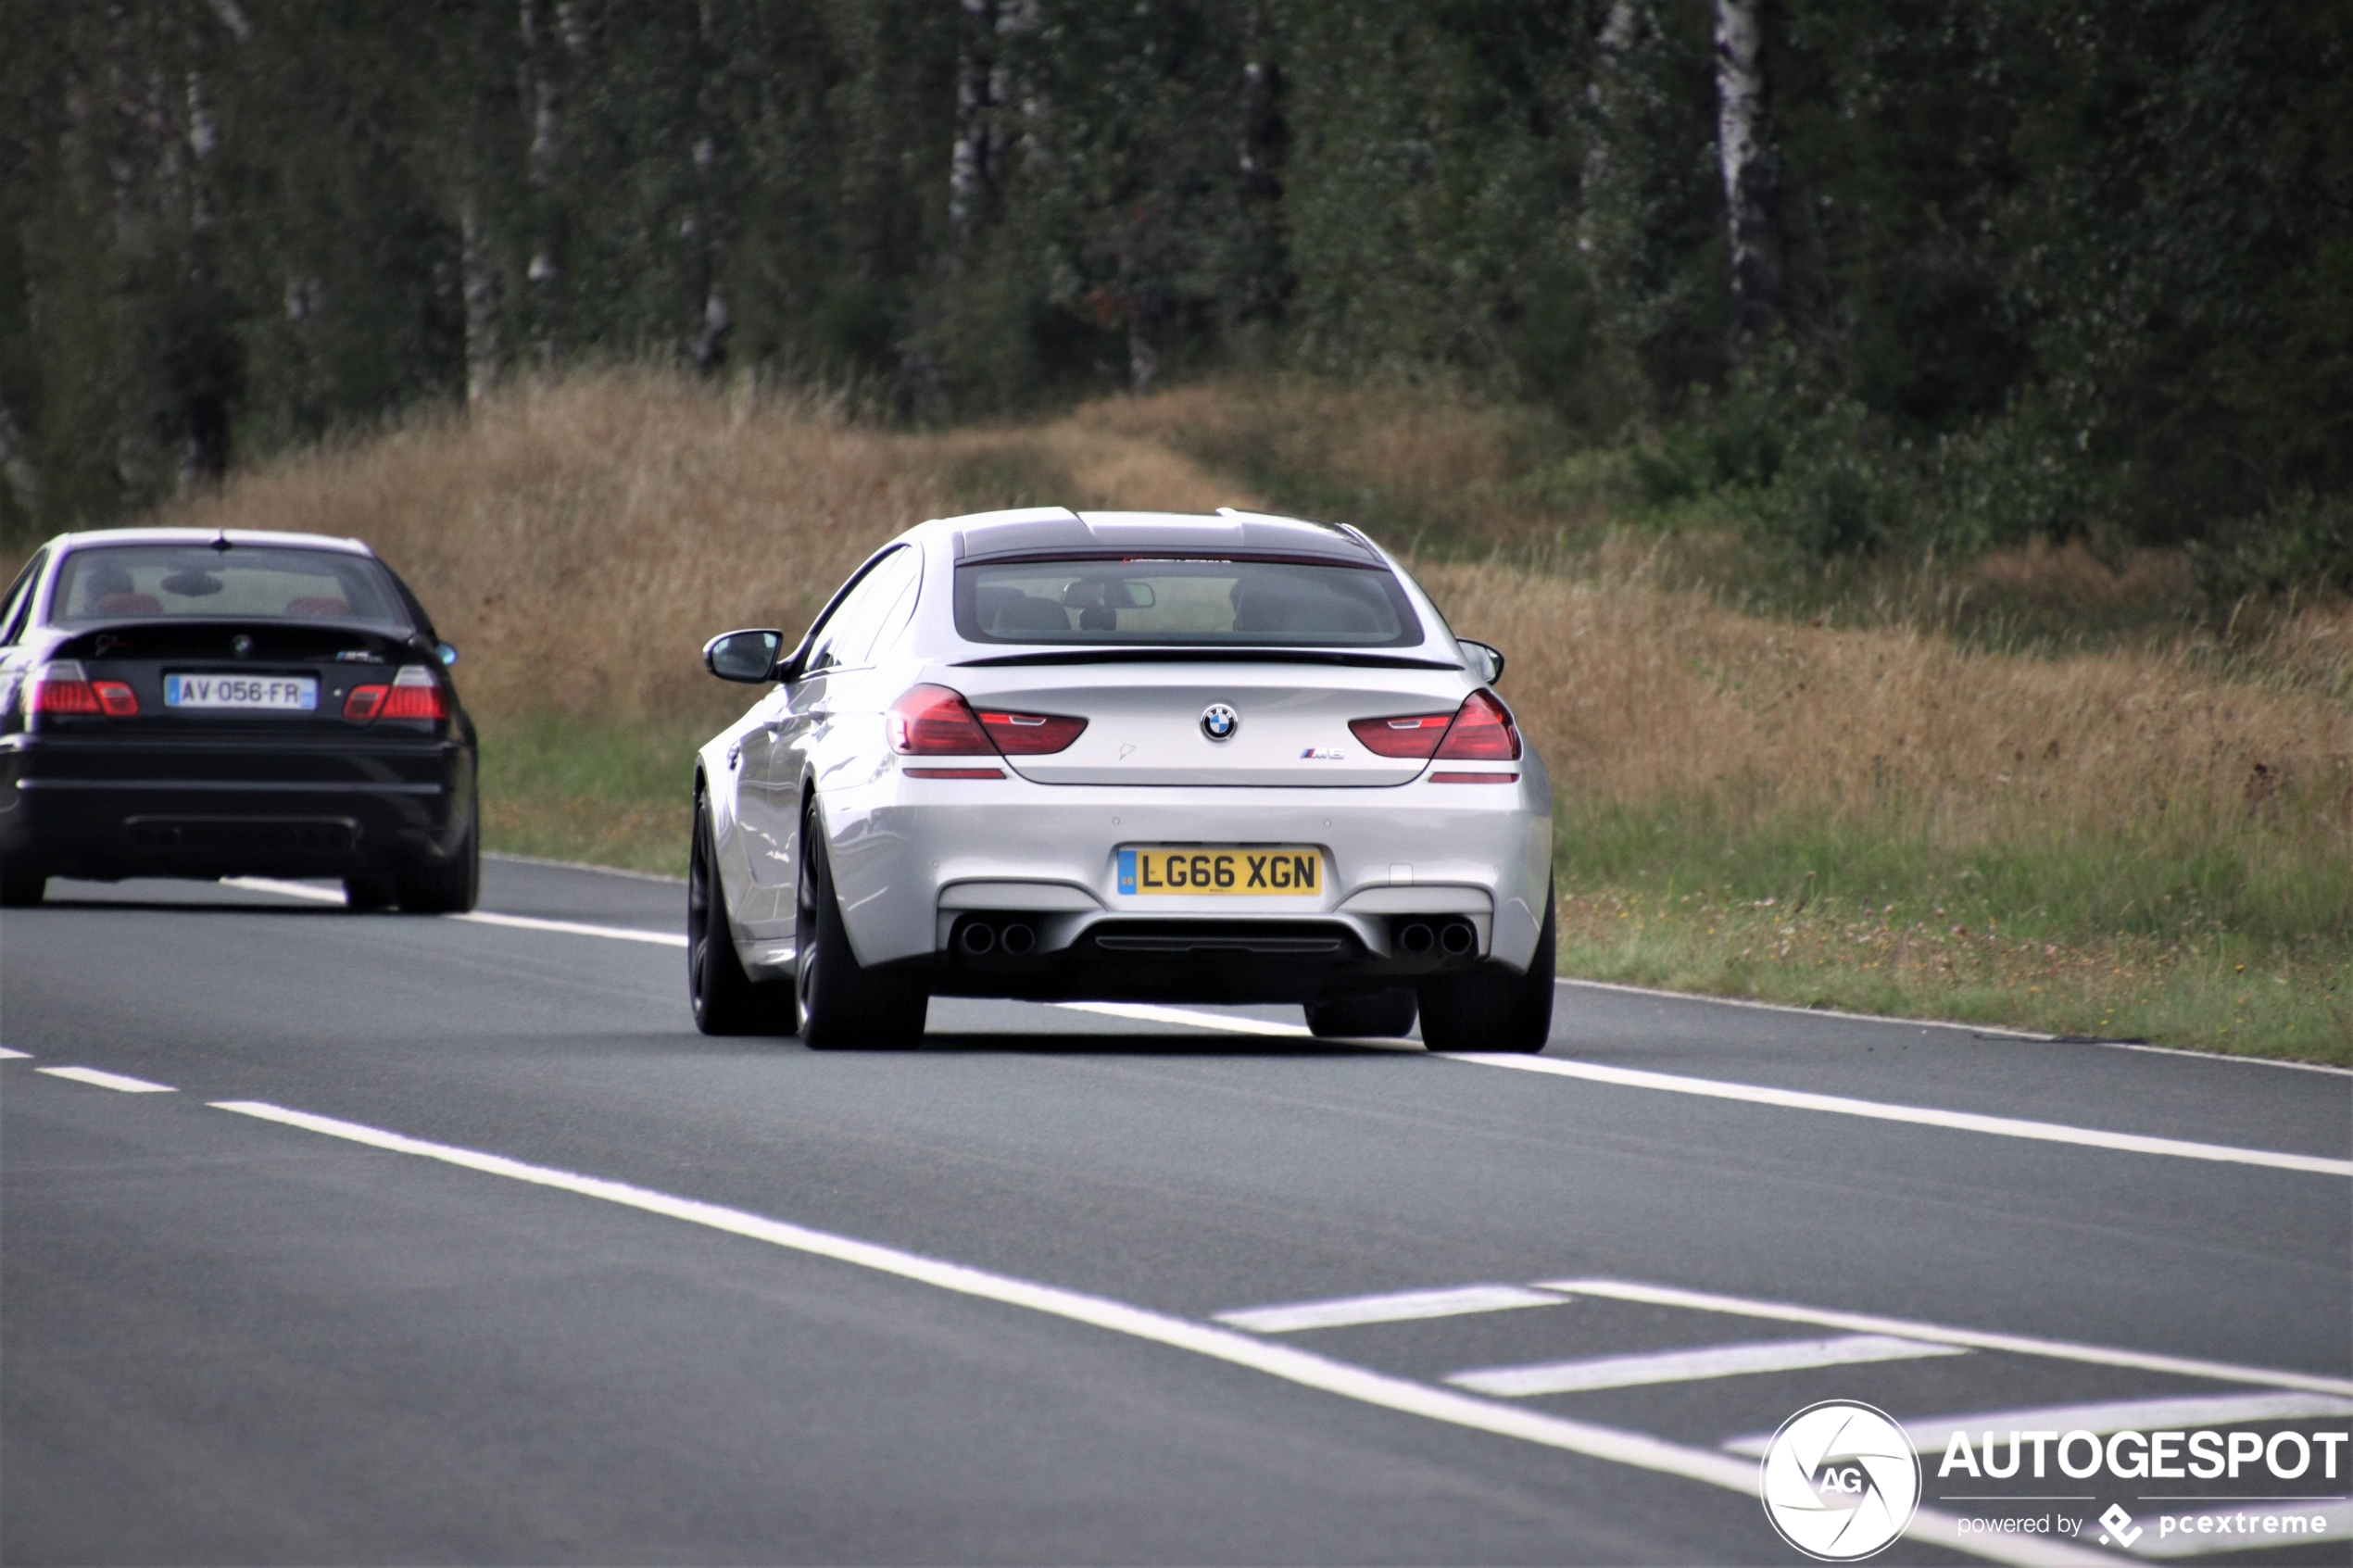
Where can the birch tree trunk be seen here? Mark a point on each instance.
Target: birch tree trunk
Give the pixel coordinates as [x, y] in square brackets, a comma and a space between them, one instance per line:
[24, 481]
[1751, 170]
[478, 280]
[710, 225]
[971, 172]
[552, 29]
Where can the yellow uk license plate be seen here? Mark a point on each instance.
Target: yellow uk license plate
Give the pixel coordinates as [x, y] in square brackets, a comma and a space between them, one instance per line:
[1282, 870]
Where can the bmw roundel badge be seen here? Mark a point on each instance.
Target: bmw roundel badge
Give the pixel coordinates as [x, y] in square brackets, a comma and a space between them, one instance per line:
[1218, 721]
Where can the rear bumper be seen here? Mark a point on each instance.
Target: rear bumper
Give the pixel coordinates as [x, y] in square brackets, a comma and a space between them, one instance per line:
[915, 861]
[81, 808]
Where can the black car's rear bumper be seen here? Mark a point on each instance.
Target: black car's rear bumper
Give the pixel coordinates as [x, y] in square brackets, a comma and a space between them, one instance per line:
[88, 807]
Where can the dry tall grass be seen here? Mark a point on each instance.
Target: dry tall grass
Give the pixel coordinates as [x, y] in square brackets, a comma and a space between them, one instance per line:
[579, 540]
[1637, 693]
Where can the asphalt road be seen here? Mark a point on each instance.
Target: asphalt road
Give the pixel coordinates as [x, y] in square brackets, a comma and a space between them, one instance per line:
[453, 1242]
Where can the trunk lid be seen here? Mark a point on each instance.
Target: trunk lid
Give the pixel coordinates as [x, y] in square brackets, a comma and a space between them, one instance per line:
[1145, 721]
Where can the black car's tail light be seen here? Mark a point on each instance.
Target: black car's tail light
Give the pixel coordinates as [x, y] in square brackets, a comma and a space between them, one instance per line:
[61, 687]
[364, 702]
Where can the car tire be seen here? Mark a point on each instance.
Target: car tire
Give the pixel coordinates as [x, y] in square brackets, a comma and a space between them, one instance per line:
[725, 1000]
[1492, 1008]
[22, 882]
[844, 1006]
[370, 894]
[442, 888]
[1363, 1015]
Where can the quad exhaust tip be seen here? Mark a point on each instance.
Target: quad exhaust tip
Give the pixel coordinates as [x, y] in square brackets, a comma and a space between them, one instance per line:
[977, 938]
[1456, 938]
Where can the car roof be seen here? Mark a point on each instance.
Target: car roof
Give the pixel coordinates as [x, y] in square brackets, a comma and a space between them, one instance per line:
[249, 536]
[1056, 530]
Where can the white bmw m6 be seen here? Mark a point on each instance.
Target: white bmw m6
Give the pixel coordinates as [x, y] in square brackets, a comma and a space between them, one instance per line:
[1123, 756]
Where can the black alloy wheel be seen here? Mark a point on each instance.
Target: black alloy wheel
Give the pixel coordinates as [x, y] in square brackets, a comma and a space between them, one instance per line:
[843, 1005]
[1491, 1009]
[1363, 1015]
[725, 1000]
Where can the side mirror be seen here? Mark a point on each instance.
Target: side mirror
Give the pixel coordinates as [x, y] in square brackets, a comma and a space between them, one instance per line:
[749, 657]
[1486, 662]
[445, 652]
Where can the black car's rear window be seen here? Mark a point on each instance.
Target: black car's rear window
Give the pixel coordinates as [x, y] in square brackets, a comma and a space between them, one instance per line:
[270, 582]
[1098, 602]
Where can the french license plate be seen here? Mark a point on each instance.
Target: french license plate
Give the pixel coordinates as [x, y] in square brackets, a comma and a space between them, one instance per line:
[291, 694]
[1282, 871]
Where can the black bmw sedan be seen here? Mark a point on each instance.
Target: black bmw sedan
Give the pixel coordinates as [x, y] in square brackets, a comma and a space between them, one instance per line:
[177, 702]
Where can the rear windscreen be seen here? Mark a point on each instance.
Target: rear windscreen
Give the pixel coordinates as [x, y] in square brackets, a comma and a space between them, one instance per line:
[243, 582]
[1198, 603]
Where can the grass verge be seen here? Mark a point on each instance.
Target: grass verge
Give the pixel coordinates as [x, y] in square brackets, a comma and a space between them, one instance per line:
[604, 794]
[2230, 948]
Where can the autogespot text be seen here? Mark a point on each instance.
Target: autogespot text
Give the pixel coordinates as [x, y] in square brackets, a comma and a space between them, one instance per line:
[2158, 1456]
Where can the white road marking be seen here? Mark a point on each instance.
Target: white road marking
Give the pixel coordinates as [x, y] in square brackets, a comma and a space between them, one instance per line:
[285, 889]
[574, 928]
[1916, 1116]
[1904, 1328]
[478, 917]
[108, 1080]
[1692, 1366]
[7, 1054]
[1146, 1013]
[1789, 1100]
[1398, 1306]
[1808, 1012]
[2155, 1540]
[1930, 1435]
[1292, 1365]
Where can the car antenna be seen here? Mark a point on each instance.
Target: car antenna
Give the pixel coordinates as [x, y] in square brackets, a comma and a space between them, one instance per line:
[221, 543]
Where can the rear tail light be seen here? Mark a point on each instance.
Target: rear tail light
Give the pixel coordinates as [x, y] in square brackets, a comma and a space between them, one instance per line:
[62, 687]
[1031, 734]
[117, 699]
[414, 695]
[1480, 730]
[1416, 736]
[363, 702]
[935, 721]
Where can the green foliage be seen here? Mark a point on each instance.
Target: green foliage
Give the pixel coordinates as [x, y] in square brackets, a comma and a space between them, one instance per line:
[2051, 271]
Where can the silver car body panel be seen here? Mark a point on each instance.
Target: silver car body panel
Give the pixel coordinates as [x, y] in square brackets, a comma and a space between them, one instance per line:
[909, 854]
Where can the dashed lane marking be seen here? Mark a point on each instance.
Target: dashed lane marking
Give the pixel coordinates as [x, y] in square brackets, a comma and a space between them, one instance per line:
[1398, 1306]
[1934, 1434]
[1291, 1364]
[1694, 1366]
[7, 1054]
[108, 1080]
[1904, 1328]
